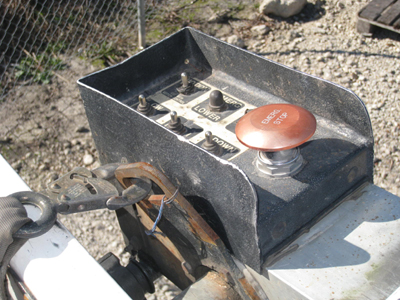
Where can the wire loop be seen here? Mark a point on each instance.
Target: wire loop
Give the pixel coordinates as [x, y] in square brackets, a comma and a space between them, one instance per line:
[153, 231]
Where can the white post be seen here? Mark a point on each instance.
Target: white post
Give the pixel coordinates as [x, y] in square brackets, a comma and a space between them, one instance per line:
[142, 24]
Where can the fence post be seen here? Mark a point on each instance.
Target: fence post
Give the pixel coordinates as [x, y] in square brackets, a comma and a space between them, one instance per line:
[142, 24]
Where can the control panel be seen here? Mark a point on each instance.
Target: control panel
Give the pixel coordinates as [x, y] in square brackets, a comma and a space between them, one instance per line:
[226, 126]
[260, 150]
[202, 114]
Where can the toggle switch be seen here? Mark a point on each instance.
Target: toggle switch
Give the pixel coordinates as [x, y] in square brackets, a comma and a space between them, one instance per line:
[187, 87]
[176, 124]
[145, 107]
[185, 80]
[276, 131]
[210, 145]
[216, 101]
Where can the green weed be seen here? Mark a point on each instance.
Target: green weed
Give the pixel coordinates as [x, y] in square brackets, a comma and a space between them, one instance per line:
[38, 68]
[58, 47]
[104, 54]
[5, 152]
[155, 34]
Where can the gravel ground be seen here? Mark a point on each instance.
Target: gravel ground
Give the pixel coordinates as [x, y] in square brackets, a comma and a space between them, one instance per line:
[331, 48]
[321, 41]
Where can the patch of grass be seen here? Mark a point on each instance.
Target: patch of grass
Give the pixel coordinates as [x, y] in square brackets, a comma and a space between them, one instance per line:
[104, 54]
[157, 31]
[237, 7]
[38, 68]
[98, 63]
[5, 152]
[162, 23]
[155, 34]
[58, 47]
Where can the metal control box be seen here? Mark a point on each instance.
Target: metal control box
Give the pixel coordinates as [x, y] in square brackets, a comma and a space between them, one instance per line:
[254, 214]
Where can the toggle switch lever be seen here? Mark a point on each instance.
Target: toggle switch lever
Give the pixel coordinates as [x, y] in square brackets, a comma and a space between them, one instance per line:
[145, 107]
[176, 124]
[185, 80]
[187, 86]
[276, 131]
[210, 145]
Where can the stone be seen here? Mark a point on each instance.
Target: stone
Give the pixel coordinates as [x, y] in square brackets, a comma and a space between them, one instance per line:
[294, 35]
[224, 31]
[43, 167]
[219, 16]
[17, 165]
[260, 30]
[75, 142]
[67, 145]
[282, 8]
[88, 159]
[256, 46]
[235, 40]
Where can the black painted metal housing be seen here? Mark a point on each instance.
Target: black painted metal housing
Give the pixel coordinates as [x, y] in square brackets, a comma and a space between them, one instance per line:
[253, 213]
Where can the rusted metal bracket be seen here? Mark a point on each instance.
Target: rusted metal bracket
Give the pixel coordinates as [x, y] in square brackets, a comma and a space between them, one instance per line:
[187, 247]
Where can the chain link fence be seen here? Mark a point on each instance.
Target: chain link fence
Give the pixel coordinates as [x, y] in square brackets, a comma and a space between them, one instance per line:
[39, 36]
[46, 45]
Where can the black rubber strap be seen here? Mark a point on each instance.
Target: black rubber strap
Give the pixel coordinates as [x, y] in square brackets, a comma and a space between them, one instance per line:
[12, 217]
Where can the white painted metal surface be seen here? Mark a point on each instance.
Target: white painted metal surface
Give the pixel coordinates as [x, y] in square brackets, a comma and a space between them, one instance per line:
[55, 265]
[352, 253]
